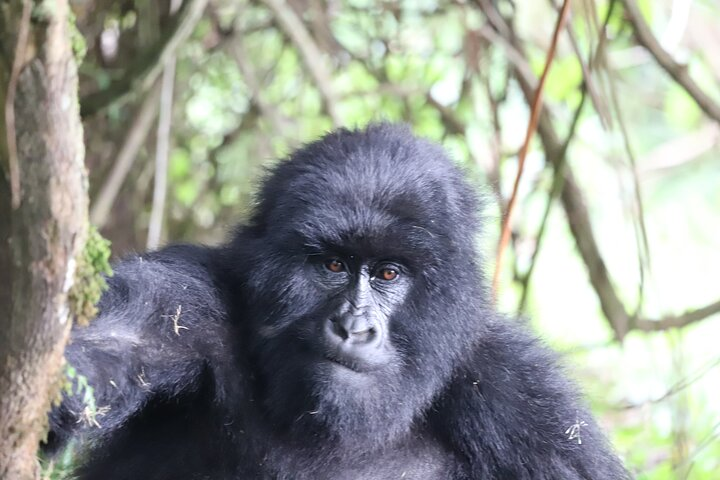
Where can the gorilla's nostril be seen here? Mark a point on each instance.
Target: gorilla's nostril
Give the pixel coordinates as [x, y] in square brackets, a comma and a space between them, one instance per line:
[339, 330]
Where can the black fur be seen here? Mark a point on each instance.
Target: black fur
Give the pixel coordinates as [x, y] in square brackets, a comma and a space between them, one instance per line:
[208, 357]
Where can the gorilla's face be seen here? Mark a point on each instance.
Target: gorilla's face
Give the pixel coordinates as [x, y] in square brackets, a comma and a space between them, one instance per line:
[339, 337]
[365, 292]
[360, 276]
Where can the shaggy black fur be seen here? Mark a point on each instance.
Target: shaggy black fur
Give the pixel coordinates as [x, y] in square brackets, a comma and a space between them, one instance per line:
[246, 361]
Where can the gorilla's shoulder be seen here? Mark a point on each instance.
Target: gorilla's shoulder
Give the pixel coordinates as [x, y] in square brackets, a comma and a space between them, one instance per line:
[175, 280]
[510, 397]
[509, 337]
[193, 260]
[509, 353]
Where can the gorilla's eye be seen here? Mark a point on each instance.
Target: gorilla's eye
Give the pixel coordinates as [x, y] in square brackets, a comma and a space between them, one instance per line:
[388, 274]
[335, 265]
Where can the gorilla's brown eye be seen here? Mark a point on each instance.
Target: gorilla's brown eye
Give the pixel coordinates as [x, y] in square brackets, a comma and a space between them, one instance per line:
[335, 265]
[388, 274]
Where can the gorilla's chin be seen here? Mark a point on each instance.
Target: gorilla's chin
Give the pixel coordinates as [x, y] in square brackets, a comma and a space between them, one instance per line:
[332, 401]
[360, 408]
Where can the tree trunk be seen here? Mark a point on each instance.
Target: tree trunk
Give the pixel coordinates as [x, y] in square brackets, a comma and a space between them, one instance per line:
[43, 223]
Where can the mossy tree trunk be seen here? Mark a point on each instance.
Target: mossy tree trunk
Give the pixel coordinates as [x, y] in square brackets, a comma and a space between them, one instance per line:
[43, 218]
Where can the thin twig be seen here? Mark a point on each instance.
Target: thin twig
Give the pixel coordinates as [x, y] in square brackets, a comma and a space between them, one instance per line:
[578, 219]
[577, 214]
[560, 160]
[702, 445]
[532, 124]
[597, 101]
[496, 139]
[679, 386]
[639, 228]
[638, 222]
[18, 62]
[558, 180]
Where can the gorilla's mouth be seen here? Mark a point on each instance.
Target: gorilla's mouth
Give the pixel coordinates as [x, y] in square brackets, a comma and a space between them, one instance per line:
[344, 362]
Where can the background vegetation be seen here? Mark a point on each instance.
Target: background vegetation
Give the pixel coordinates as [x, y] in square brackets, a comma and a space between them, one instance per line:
[614, 251]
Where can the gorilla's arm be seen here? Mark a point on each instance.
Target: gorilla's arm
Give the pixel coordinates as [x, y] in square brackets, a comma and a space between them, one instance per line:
[158, 324]
[512, 414]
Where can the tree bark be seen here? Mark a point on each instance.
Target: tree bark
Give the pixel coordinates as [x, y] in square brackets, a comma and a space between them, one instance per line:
[43, 233]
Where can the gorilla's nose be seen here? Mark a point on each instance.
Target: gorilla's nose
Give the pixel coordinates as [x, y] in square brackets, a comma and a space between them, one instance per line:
[353, 329]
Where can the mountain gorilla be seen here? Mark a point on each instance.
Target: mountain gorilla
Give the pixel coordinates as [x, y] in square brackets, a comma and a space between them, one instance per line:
[345, 332]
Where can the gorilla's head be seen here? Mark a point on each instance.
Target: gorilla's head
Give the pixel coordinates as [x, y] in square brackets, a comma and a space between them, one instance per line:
[361, 280]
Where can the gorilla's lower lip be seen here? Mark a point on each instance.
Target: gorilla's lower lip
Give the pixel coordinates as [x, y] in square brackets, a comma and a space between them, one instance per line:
[343, 363]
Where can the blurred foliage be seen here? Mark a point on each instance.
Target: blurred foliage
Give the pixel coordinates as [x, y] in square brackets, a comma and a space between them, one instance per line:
[245, 95]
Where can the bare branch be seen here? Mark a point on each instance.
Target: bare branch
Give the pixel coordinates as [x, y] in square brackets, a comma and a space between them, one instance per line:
[600, 106]
[162, 151]
[162, 146]
[311, 54]
[18, 61]
[676, 321]
[573, 202]
[536, 106]
[451, 122]
[638, 221]
[678, 72]
[560, 160]
[555, 189]
[134, 140]
[140, 76]
[581, 228]
[232, 42]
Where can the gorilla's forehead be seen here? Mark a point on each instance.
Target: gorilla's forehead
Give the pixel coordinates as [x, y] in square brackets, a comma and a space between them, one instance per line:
[366, 230]
[370, 210]
[373, 189]
[372, 178]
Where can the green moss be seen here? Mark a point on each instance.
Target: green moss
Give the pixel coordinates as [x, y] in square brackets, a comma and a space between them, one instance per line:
[79, 46]
[59, 466]
[45, 10]
[93, 266]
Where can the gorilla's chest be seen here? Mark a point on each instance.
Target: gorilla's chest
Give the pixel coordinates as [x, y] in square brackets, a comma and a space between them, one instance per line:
[417, 458]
